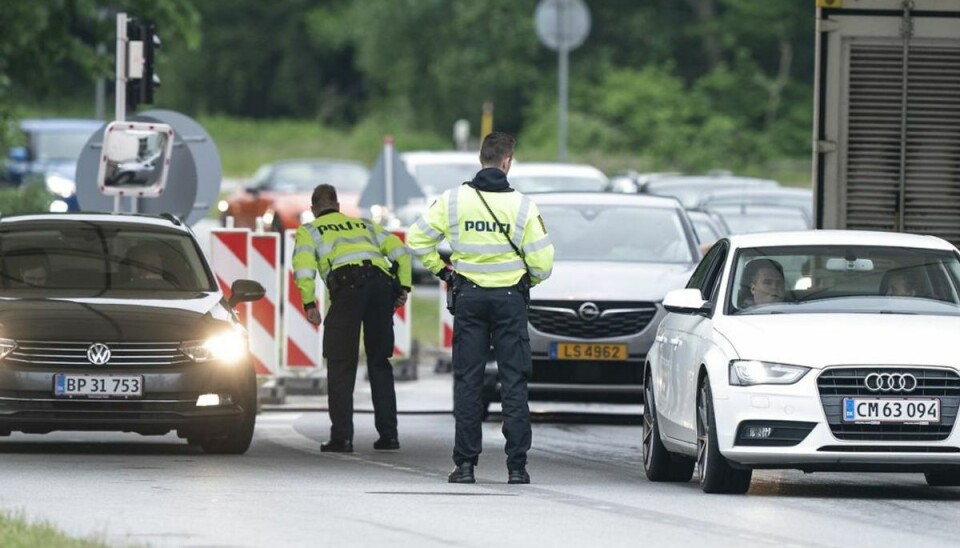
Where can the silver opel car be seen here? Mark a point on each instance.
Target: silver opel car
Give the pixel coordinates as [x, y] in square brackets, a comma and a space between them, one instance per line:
[592, 323]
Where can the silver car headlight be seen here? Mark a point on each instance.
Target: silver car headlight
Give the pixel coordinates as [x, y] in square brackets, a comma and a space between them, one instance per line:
[753, 372]
[60, 185]
[228, 347]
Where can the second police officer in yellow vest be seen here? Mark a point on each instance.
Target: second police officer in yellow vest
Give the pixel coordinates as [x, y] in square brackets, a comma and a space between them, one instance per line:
[500, 249]
[367, 272]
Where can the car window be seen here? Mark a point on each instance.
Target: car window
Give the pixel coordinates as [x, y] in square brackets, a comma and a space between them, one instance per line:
[706, 233]
[434, 179]
[57, 145]
[849, 279]
[88, 259]
[305, 176]
[707, 273]
[591, 232]
[745, 221]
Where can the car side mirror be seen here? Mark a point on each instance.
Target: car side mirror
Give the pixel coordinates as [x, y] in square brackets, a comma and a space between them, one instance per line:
[18, 154]
[686, 301]
[244, 291]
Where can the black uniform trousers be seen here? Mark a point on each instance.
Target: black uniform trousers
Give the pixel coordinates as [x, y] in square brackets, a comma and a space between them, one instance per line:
[484, 316]
[367, 302]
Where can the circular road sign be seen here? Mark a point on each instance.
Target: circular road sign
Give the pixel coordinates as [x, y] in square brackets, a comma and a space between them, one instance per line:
[562, 24]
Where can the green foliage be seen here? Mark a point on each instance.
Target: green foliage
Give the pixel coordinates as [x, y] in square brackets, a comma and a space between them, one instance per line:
[31, 198]
[18, 532]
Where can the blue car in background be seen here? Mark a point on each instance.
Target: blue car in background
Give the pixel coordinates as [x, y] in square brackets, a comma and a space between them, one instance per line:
[51, 152]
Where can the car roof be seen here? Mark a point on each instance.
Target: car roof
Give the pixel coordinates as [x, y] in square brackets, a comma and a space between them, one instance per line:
[755, 209]
[839, 237]
[556, 169]
[707, 180]
[605, 198]
[165, 220]
[750, 192]
[326, 161]
[60, 124]
[423, 157]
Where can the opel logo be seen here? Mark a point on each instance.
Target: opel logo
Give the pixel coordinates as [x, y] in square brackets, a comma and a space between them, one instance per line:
[98, 354]
[588, 312]
[890, 382]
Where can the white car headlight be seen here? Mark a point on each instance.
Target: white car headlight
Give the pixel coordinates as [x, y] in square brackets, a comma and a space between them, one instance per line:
[60, 185]
[227, 347]
[753, 372]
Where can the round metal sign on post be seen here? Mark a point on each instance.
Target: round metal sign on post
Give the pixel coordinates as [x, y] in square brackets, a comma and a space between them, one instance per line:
[562, 24]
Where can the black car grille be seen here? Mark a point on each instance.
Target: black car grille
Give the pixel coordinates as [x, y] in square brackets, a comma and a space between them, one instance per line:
[616, 318]
[48, 353]
[839, 383]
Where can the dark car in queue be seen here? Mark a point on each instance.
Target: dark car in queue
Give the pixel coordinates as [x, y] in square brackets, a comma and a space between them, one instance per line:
[593, 321]
[116, 323]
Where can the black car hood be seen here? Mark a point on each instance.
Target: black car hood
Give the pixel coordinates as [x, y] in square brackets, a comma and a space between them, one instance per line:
[111, 320]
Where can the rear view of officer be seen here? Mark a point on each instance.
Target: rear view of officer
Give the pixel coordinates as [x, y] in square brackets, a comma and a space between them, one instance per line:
[500, 249]
[354, 258]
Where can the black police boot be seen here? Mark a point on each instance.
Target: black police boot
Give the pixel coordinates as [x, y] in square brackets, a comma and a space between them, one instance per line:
[337, 446]
[519, 475]
[463, 473]
[387, 444]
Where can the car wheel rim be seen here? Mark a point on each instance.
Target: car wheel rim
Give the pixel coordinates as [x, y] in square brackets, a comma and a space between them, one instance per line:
[703, 432]
[648, 424]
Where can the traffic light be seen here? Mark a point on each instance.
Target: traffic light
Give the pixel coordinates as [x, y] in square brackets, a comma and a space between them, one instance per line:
[142, 44]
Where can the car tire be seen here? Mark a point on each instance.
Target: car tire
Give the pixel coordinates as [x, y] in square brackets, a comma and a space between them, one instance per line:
[658, 463]
[714, 472]
[237, 441]
[944, 478]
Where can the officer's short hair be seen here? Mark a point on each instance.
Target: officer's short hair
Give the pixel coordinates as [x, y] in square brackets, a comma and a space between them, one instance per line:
[496, 147]
[324, 194]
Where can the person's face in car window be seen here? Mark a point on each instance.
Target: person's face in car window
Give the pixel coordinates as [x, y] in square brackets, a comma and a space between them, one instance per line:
[900, 286]
[767, 286]
[34, 275]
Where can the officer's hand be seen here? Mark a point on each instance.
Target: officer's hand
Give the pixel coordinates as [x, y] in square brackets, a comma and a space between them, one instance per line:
[313, 316]
[446, 274]
[402, 299]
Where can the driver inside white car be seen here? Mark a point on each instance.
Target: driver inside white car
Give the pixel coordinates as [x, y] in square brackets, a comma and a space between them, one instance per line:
[762, 283]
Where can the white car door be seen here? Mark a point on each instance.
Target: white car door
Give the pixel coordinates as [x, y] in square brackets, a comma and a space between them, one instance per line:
[690, 338]
[676, 340]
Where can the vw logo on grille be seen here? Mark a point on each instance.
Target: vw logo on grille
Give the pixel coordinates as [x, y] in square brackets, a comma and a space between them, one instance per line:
[588, 312]
[890, 382]
[98, 354]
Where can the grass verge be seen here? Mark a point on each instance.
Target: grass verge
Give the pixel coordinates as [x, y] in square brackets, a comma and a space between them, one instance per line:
[426, 319]
[17, 532]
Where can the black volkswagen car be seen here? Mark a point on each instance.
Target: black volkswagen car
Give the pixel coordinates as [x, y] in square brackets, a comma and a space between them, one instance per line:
[116, 323]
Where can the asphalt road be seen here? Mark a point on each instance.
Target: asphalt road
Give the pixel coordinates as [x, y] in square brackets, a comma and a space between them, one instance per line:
[588, 490]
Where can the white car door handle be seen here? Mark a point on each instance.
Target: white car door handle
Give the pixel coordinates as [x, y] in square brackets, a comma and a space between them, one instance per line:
[675, 341]
[660, 338]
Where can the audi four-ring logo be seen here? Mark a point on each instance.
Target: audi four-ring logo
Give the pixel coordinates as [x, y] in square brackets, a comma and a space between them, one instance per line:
[98, 353]
[890, 382]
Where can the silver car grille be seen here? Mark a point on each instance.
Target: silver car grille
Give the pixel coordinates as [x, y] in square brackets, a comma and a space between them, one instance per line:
[613, 319]
[74, 354]
[837, 383]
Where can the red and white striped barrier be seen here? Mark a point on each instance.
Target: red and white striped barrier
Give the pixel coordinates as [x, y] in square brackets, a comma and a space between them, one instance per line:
[446, 322]
[229, 250]
[264, 322]
[402, 324]
[303, 342]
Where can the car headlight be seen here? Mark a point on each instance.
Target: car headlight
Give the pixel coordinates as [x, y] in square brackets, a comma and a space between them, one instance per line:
[753, 372]
[268, 216]
[60, 185]
[227, 347]
[59, 206]
[307, 217]
[6, 347]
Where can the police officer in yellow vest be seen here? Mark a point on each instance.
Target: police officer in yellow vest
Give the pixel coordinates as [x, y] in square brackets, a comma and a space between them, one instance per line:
[367, 272]
[500, 249]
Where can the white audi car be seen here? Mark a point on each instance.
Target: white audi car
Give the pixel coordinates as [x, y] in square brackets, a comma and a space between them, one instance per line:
[815, 350]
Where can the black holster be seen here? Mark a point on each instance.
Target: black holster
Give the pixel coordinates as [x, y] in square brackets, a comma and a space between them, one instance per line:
[523, 286]
[453, 291]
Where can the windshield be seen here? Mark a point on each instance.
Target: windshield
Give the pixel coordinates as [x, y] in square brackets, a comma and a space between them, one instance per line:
[301, 177]
[644, 234]
[705, 230]
[556, 183]
[435, 179]
[767, 221]
[58, 145]
[845, 279]
[94, 260]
